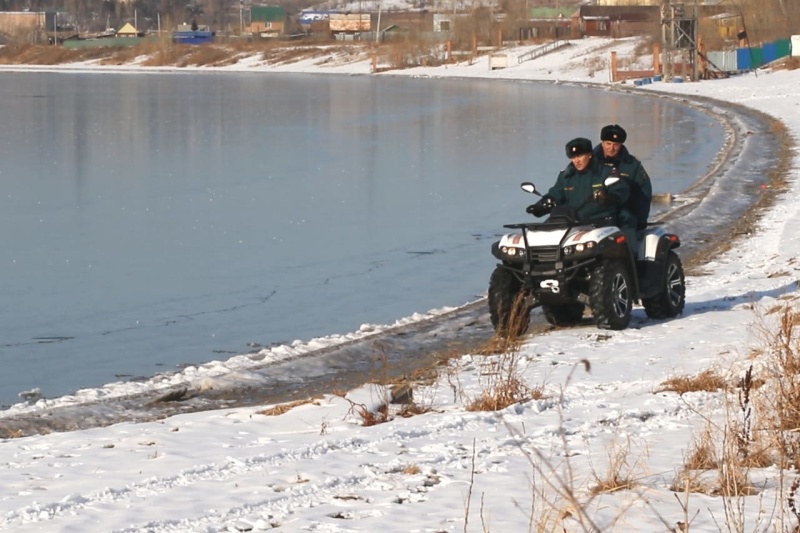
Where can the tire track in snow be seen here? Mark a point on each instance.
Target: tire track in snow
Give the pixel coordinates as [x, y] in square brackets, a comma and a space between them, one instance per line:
[382, 477]
[161, 487]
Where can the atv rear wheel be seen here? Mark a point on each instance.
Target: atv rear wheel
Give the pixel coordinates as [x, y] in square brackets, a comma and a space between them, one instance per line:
[563, 314]
[670, 301]
[610, 295]
[509, 312]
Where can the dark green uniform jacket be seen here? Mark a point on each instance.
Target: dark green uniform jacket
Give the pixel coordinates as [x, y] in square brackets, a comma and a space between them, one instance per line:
[641, 190]
[576, 189]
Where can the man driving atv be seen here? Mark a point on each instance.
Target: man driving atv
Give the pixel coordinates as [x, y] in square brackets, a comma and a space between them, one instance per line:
[581, 186]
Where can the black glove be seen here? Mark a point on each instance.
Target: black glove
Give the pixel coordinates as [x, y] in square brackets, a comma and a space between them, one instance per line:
[603, 197]
[542, 207]
[600, 195]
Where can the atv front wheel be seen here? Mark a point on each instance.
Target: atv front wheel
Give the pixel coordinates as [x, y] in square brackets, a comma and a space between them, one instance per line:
[509, 312]
[610, 295]
[670, 301]
[563, 314]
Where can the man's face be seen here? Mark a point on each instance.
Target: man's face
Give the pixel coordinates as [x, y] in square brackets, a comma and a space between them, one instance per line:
[610, 148]
[581, 161]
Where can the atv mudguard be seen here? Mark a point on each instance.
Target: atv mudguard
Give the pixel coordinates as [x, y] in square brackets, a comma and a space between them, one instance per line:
[651, 268]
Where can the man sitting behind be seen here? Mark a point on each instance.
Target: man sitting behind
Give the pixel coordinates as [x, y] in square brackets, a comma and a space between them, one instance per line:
[612, 154]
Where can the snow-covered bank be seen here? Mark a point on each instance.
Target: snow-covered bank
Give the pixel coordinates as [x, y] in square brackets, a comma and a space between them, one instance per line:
[584, 60]
[317, 468]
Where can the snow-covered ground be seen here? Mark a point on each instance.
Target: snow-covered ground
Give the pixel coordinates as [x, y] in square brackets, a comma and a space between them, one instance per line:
[598, 414]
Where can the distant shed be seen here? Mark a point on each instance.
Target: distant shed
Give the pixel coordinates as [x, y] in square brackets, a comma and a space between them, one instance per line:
[267, 21]
[128, 31]
[615, 21]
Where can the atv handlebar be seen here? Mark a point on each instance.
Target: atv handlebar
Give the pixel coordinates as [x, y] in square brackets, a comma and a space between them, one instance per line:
[561, 221]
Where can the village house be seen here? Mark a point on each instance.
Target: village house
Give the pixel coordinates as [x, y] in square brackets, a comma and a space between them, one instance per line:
[267, 21]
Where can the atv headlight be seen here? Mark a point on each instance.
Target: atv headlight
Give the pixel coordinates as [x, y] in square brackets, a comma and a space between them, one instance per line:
[513, 252]
[579, 248]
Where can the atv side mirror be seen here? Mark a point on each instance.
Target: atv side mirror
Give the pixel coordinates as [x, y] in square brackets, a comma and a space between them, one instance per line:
[527, 186]
[611, 180]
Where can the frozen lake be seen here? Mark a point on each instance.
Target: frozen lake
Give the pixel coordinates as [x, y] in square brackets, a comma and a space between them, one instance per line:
[153, 221]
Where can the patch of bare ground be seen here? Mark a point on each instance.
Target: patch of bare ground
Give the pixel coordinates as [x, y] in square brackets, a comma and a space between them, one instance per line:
[193, 56]
[282, 56]
[333, 54]
[787, 63]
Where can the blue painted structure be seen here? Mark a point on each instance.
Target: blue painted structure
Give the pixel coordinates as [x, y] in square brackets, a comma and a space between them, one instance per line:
[193, 37]
[758, 56]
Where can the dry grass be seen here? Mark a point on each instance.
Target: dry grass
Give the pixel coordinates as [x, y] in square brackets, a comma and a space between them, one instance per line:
[413, 409]
[733, 475]
[286, 407]
[784, 344]
[692, 482]
[508, 338]
[28, 54]
[395, 396]
[791, 499]
[612, 483]
[368, 417]
[502, 379]
[619, 472]
[733, 483]
[595, 65]
[189, 56]
[779, 405]
[707, 381]
[7, 433]
[503, 383]
[499, 343]
[162, 51]
[407, 54]
[702, 455]
[644, 47]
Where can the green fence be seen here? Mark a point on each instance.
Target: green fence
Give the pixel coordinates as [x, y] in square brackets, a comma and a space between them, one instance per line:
[114, 42]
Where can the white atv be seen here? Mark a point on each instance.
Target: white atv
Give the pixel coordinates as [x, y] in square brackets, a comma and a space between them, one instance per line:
[565, 265]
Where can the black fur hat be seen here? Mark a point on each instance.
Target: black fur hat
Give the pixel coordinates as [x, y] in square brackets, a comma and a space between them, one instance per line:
[614, 133]
[578, 147]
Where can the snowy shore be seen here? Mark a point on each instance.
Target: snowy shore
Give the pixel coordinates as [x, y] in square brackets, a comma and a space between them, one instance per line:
[600, 413]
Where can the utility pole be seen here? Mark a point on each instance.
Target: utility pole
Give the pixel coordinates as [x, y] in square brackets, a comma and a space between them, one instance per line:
[679, 33]
[378, 24]
[695, 47]
[665, 40]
